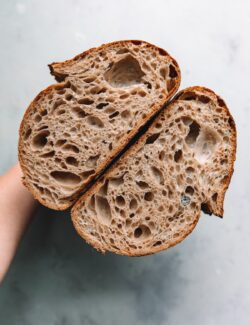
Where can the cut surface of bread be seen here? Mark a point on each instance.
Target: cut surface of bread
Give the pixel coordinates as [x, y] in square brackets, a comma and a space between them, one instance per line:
[72, 130]
[152, 198]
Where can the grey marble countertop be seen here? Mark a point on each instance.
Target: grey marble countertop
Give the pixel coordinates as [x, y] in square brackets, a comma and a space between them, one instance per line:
[56, 278]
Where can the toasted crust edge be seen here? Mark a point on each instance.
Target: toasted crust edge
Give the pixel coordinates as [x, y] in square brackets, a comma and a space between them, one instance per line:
[132, 149]
[121, 144]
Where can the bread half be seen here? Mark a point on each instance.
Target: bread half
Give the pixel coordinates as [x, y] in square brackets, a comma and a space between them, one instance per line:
[152, 198]
[72, 130]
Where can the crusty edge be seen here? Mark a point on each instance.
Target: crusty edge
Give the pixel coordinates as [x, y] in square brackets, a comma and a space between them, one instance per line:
[61, 77]
[130, 151]
[123, 142]
[217, 98]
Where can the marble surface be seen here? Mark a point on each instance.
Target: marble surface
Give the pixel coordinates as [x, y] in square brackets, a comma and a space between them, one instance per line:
[56, 278]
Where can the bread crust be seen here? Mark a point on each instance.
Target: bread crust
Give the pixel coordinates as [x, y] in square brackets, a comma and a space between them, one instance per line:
[132, 150]
[124, 141]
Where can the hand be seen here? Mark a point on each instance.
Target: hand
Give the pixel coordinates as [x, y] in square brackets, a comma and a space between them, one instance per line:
[16, 208]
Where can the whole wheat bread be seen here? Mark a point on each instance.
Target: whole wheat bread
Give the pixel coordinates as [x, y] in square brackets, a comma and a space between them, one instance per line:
[72, 130]
[152, 198]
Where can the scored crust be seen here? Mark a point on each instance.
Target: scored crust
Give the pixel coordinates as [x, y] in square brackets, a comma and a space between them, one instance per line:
[58, 189]
[201, 151]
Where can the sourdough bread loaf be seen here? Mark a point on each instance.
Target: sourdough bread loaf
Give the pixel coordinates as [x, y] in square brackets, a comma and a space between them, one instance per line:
[152, 198]
[73, 129]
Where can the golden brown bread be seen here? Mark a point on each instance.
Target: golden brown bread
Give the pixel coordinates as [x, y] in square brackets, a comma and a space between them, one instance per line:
[152, 195]
[72, 130]
[152, 198]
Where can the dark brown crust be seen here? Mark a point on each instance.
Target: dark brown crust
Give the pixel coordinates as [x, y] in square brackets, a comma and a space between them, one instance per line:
[123, 141]
[133, 149]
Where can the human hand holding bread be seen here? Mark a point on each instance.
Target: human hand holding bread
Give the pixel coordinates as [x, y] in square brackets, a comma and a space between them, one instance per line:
[16, 208]
[136, 164]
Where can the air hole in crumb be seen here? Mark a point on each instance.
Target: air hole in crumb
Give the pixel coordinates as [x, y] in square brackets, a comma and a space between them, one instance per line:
[133, 204]
[194, 130]
[92, 161]
[70, 147]
[42, 127]
[186, 119]
[78, 112]
[189, 190]
[73, 87]
[103, 190]
[61, 112]
[120, 201]
[188, 96]
[124, 73]
[190, 170]
[149, 196]
[142, 93]
[59, 92]
[102, 90]
[66, 178]
[161, 208]
[122, 51]
[124, 96]
[94, 121]
[157, 175]
[128, 222]
[204, 99]
[221, 102]
[214, 197]
[57, 104]
[68, 97]
[91, 203]
[85, 175]
[37, 118]
[163, 72]
[178, 156]
[89, 79]
[125, 114]
[205, 208]
[206, 145]
[170, 84]
[71, 161]
[40, 139]
[148, 84]
[223, 161]
[60, 142]
[231, 122]
[172, 71]
[114, 114]
[116, 181]
[27, 134]
[142, 184]
[161, 155]
[152, 138]
[158, 243]
[142, 232]
[101, 105]
[103, 209]
[85, 101]
[48, 154]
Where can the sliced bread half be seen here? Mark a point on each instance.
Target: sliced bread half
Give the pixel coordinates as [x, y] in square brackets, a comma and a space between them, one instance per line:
[72, 130]
[152, 198]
